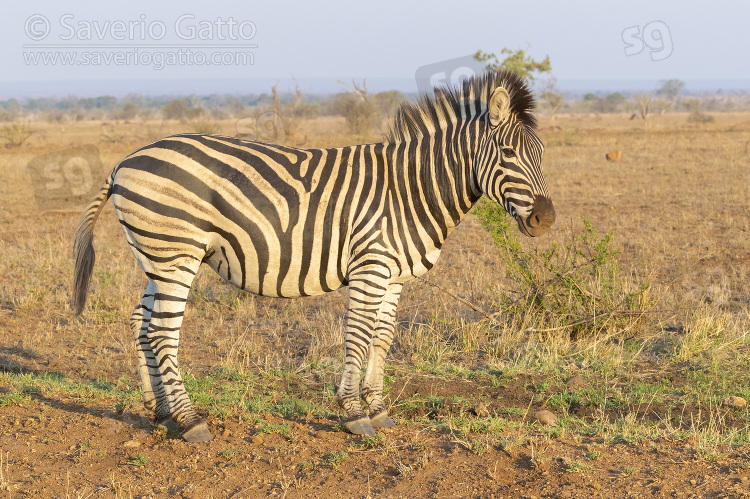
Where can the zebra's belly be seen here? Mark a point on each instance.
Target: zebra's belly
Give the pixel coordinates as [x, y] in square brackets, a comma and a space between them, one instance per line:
[283, 282]
[418, 267]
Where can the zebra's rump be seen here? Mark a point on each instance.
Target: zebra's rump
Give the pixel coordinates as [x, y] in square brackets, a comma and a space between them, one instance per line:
[261, 216]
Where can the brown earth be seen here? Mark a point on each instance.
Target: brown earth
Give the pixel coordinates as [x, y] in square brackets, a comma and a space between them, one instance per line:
[67, 444]
[73, 446]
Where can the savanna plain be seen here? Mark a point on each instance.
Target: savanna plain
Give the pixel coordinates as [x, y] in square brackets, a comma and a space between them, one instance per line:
[628, 322]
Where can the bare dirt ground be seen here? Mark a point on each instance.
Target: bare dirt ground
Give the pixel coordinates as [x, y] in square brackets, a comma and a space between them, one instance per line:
[637, 414]
[71, 447]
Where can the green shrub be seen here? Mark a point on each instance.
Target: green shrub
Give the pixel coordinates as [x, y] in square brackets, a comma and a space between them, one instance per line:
[575, 286]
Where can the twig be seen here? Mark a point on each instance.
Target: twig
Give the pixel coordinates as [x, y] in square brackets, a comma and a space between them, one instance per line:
[465, 302]
[390, 406]
[532, 330]
[593, 318]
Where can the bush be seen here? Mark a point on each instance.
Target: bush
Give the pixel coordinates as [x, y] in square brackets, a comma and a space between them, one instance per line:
[359, 114]
[179, 109]
[700, 117]
[203, 125]
[697, 115]
[576, 286]
[16, 134]
[387, 103]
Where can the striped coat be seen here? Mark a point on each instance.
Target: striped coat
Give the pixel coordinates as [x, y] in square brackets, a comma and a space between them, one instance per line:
[287, 222]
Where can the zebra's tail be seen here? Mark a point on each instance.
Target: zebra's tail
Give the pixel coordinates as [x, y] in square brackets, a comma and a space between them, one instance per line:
[83, 245]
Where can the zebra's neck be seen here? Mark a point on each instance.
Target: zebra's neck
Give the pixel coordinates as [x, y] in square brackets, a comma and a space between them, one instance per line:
[437, 172]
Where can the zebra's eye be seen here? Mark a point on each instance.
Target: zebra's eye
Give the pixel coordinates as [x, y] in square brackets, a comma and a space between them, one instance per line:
[509, 153]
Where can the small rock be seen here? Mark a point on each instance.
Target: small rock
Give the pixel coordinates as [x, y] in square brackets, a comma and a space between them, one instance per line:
[322, 434]
[481, 411]
[257, 439]
[225, 433]
[693, 482]
[545, 417]
[614, 155]
[576, 382]
[734, 402]
[132, 443]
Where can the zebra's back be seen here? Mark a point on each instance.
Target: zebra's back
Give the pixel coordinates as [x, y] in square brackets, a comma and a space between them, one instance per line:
[273, 220]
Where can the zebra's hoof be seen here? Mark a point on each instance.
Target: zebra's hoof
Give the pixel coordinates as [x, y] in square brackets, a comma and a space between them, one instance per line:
[360, 427]
[382, 420]
[198, 433]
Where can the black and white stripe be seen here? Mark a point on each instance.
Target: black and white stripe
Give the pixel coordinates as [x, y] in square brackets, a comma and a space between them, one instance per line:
[282, 221]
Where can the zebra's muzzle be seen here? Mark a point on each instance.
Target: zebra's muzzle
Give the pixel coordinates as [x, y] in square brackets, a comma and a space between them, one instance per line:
[540, 219]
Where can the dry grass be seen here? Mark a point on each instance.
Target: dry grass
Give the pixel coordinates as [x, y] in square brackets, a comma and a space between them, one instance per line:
[677, 205]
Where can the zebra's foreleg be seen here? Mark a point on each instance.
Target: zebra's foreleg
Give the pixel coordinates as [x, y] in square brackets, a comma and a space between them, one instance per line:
[366, 292]
[372, 387]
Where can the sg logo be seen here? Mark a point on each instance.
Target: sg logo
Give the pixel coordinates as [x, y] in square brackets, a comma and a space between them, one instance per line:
[267, 127]
[654, 35]
[67, 178]
[448, 73]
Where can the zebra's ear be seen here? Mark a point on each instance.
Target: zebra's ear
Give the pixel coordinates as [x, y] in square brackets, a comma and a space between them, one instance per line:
[499, 106]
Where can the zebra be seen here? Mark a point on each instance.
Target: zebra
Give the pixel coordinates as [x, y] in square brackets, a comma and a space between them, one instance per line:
[287, 222]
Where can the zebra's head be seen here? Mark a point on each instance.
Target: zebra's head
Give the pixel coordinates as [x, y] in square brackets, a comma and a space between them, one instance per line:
[508, 167]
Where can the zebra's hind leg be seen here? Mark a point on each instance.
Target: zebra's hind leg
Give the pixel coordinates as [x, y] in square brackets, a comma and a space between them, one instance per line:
[139, 324]
[172, 401]
[147, 366]
[372, 387]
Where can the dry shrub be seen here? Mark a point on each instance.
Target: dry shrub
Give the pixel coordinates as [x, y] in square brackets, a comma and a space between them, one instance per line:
[16, 134]
[359, 113]
[576, 287]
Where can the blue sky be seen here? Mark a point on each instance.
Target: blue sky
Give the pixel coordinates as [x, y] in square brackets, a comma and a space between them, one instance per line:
[329, 40]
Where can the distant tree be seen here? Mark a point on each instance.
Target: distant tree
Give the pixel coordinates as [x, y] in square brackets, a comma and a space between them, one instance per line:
[695, 106]
[552, 96]
[103, 102]
[355, 89]
[129, 111]
[386, 103]
[670, 90]
[136, 99]
[11, 110]
[643, 106]
[180, 109]
[176, 109]
[590, 97]
[297, 95]
[235, 106]
[356, 106]
[616, 99]
[276, 103]
[602, 106]
[517, 61]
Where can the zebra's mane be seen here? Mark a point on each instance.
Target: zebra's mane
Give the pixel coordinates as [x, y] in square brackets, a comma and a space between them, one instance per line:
[428, 111]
